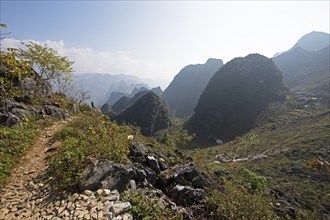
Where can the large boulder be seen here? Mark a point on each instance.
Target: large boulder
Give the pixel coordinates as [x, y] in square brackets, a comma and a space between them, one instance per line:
[106, 175]
[186, 175]
[186, 195]
[55, 111]
[143, 173]
[137, 151]
[9, 119]
[152, 172]
[23, 109]
[24, 98]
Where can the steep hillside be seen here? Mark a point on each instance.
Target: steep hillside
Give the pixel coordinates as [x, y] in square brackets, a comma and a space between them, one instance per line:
[183, 92]
[115, 97]
[235, 96]
[120, 105]
[148, 111]
[125, 101]
[284, 148]
[313, 41]
[306, 66]
[158, 91]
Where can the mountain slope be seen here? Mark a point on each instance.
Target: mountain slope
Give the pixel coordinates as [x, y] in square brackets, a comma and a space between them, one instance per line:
[313, 41]
[235, 96]
[280, 148]
[149, 112]
[307, 71]
[183, 92]
[125, 101]
[102, 85]
[117, 96]
[121, 104]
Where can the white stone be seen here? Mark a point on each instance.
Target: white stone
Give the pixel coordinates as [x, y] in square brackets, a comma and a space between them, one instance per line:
[88, 193]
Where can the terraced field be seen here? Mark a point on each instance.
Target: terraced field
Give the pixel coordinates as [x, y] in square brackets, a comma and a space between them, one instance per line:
[280, 149]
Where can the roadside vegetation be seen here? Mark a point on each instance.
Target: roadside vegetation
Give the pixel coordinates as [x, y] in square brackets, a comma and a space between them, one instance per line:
[14, 142]
[91, 136]
[34, 63]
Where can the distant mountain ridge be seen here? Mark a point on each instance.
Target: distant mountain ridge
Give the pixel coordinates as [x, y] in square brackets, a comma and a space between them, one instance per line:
[126, 101]
[116, 98]
[313, 41]
[183, 92]
[306, 65]
[102, 85]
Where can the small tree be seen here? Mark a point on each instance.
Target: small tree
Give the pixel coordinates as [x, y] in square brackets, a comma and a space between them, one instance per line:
[11, 71]
[82, 95]
[47, 63]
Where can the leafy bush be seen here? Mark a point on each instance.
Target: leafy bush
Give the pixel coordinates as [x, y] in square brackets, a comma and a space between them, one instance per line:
[94, 136]
[14, 141]
[147, 208]
[175, 138]
[11, 70]
[236, 203]
[254, 182]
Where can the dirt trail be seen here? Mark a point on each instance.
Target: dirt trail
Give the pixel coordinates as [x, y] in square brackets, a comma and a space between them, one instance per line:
[29, 174]
[30, 192]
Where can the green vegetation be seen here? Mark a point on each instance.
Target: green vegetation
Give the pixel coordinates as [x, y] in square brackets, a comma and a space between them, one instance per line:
[254, 182]
[282, 149]
[174, 138]
[16, 65]
[145, 208]
[11, 70]
[235, 202]
[14, 142]
[48, 64]
[93, 136]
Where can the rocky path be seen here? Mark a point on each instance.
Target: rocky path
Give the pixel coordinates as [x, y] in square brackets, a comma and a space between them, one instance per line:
[29, 193]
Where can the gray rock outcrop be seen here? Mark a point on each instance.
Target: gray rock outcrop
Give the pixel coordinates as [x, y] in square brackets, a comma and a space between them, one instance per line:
[182, 184]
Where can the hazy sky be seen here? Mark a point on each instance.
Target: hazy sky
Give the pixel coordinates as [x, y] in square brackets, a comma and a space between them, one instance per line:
[155, 39]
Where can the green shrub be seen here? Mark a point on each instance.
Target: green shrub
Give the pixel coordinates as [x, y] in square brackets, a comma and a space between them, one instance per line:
[68, 162]
[253, 181]
[236, 203]
[14, 141]
[93, 136]
[175, 138]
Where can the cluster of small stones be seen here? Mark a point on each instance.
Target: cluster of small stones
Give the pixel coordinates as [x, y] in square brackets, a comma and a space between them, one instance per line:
[102, 204]
[30, 194]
